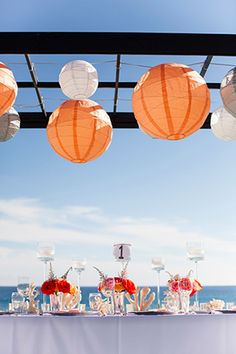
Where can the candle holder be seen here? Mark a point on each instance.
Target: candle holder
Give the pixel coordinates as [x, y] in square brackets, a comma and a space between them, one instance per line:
[195, 253]
[78, 265]
[45, 253]
[158, 265]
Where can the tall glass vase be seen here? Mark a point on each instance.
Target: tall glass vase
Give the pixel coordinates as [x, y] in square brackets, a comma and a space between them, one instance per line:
[55, 302]
[118, 303]
[184, 300]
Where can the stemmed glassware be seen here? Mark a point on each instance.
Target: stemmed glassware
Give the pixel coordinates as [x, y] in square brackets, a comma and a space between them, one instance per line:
[78, 265]
[45, 253]
[23, 287]
[195, 253]
[158, 265]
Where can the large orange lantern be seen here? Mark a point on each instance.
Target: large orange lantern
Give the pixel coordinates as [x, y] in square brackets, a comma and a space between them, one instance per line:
[79, 130]
[171, 101]
[8, 89]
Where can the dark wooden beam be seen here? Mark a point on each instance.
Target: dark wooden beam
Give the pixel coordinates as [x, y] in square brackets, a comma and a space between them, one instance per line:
[108, 84]
[114, 43]
[120, 120]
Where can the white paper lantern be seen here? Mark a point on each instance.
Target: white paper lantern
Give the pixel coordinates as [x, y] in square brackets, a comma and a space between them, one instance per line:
[9, 124]
[223, 124]
[78, 79]
[228, 91]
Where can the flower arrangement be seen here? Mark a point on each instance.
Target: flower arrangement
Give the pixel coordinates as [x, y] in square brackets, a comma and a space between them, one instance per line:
[118, 284]
[63, 294]
[177, 283]
[55, 285]
[179, 291]
[115, 288]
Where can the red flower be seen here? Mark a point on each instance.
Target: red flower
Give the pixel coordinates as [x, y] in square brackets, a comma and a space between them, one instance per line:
[49, 287]
[174, 285]
[63, 286]
[185, 284]
[129, 286]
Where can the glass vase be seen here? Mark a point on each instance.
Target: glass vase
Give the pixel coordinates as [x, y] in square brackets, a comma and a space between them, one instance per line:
[184, 300]
[118, 303]
[56, 302]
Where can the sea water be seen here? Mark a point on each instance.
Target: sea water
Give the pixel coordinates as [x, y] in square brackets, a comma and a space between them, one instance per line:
[226, 293]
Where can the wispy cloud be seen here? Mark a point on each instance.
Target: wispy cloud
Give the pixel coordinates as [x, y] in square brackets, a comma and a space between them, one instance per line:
[87, 231]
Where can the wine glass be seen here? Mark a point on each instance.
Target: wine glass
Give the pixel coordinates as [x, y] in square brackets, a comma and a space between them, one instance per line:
[158, 265]
[17, 302]
[78, 265]
[45, 253]
[95, 300]
[195, 253]
[23, 286]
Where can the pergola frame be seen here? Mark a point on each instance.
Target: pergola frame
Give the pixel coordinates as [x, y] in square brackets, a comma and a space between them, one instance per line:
[27, 43]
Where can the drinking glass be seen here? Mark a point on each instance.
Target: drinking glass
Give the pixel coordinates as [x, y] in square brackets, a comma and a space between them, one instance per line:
[95, 300]
[78, 265]
[23, 286]
[17, 302]
[158, 265]
[195, 253]
[45, 253]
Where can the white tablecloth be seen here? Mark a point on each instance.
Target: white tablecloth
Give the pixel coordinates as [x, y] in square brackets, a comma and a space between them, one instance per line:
[183, 334]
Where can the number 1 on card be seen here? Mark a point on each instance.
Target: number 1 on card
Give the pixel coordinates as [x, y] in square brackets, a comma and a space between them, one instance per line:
[121, 252]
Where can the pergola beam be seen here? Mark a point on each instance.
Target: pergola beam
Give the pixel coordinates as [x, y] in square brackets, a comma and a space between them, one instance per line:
[117, 42]
[107, 84]
[120, 120]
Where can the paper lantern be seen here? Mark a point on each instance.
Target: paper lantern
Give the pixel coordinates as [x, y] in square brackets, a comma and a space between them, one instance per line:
[8, 89]
[228, 91]
[79, 130]
[171, 101]
[223, 124]
[9, 125]
[78, 79]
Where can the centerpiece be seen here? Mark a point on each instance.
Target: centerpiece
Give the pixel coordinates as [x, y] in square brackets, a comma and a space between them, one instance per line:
[63, 295]
[180, 289]
[115, 288]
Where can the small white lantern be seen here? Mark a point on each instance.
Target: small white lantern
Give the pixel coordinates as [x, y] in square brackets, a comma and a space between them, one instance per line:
[78, 79]
[228, 91]
[9, 124]
[223, 124]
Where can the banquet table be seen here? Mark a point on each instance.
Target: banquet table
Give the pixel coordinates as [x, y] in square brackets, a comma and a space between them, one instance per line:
[133, 334]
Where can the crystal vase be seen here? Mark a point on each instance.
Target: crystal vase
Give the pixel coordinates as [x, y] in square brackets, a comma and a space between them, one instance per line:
[118, 303]
[184, 300]
[56, 302]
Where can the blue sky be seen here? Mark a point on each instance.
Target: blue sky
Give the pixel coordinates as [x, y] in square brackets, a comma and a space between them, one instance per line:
[153, 194]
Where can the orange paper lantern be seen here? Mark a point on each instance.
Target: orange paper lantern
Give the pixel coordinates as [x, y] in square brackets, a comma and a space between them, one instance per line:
[8, 89]
[79, 130]
[171, 101]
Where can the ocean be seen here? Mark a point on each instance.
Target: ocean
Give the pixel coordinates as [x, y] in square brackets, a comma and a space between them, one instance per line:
[226, 293]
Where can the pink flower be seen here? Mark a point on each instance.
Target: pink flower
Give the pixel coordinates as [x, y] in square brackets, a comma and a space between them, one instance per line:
[109, 283]
[185, 284]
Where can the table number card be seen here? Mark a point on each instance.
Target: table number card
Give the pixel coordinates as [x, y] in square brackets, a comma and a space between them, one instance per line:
[121, 252]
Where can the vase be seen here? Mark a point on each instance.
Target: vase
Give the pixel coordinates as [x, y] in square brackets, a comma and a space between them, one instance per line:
[118, 303]
[184, 300]
[171, 301]
[56, 302]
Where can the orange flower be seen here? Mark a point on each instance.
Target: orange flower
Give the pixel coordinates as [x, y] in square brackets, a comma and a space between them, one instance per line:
[73, 290]
[196, 287]
[119, 287]
[129, 286]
